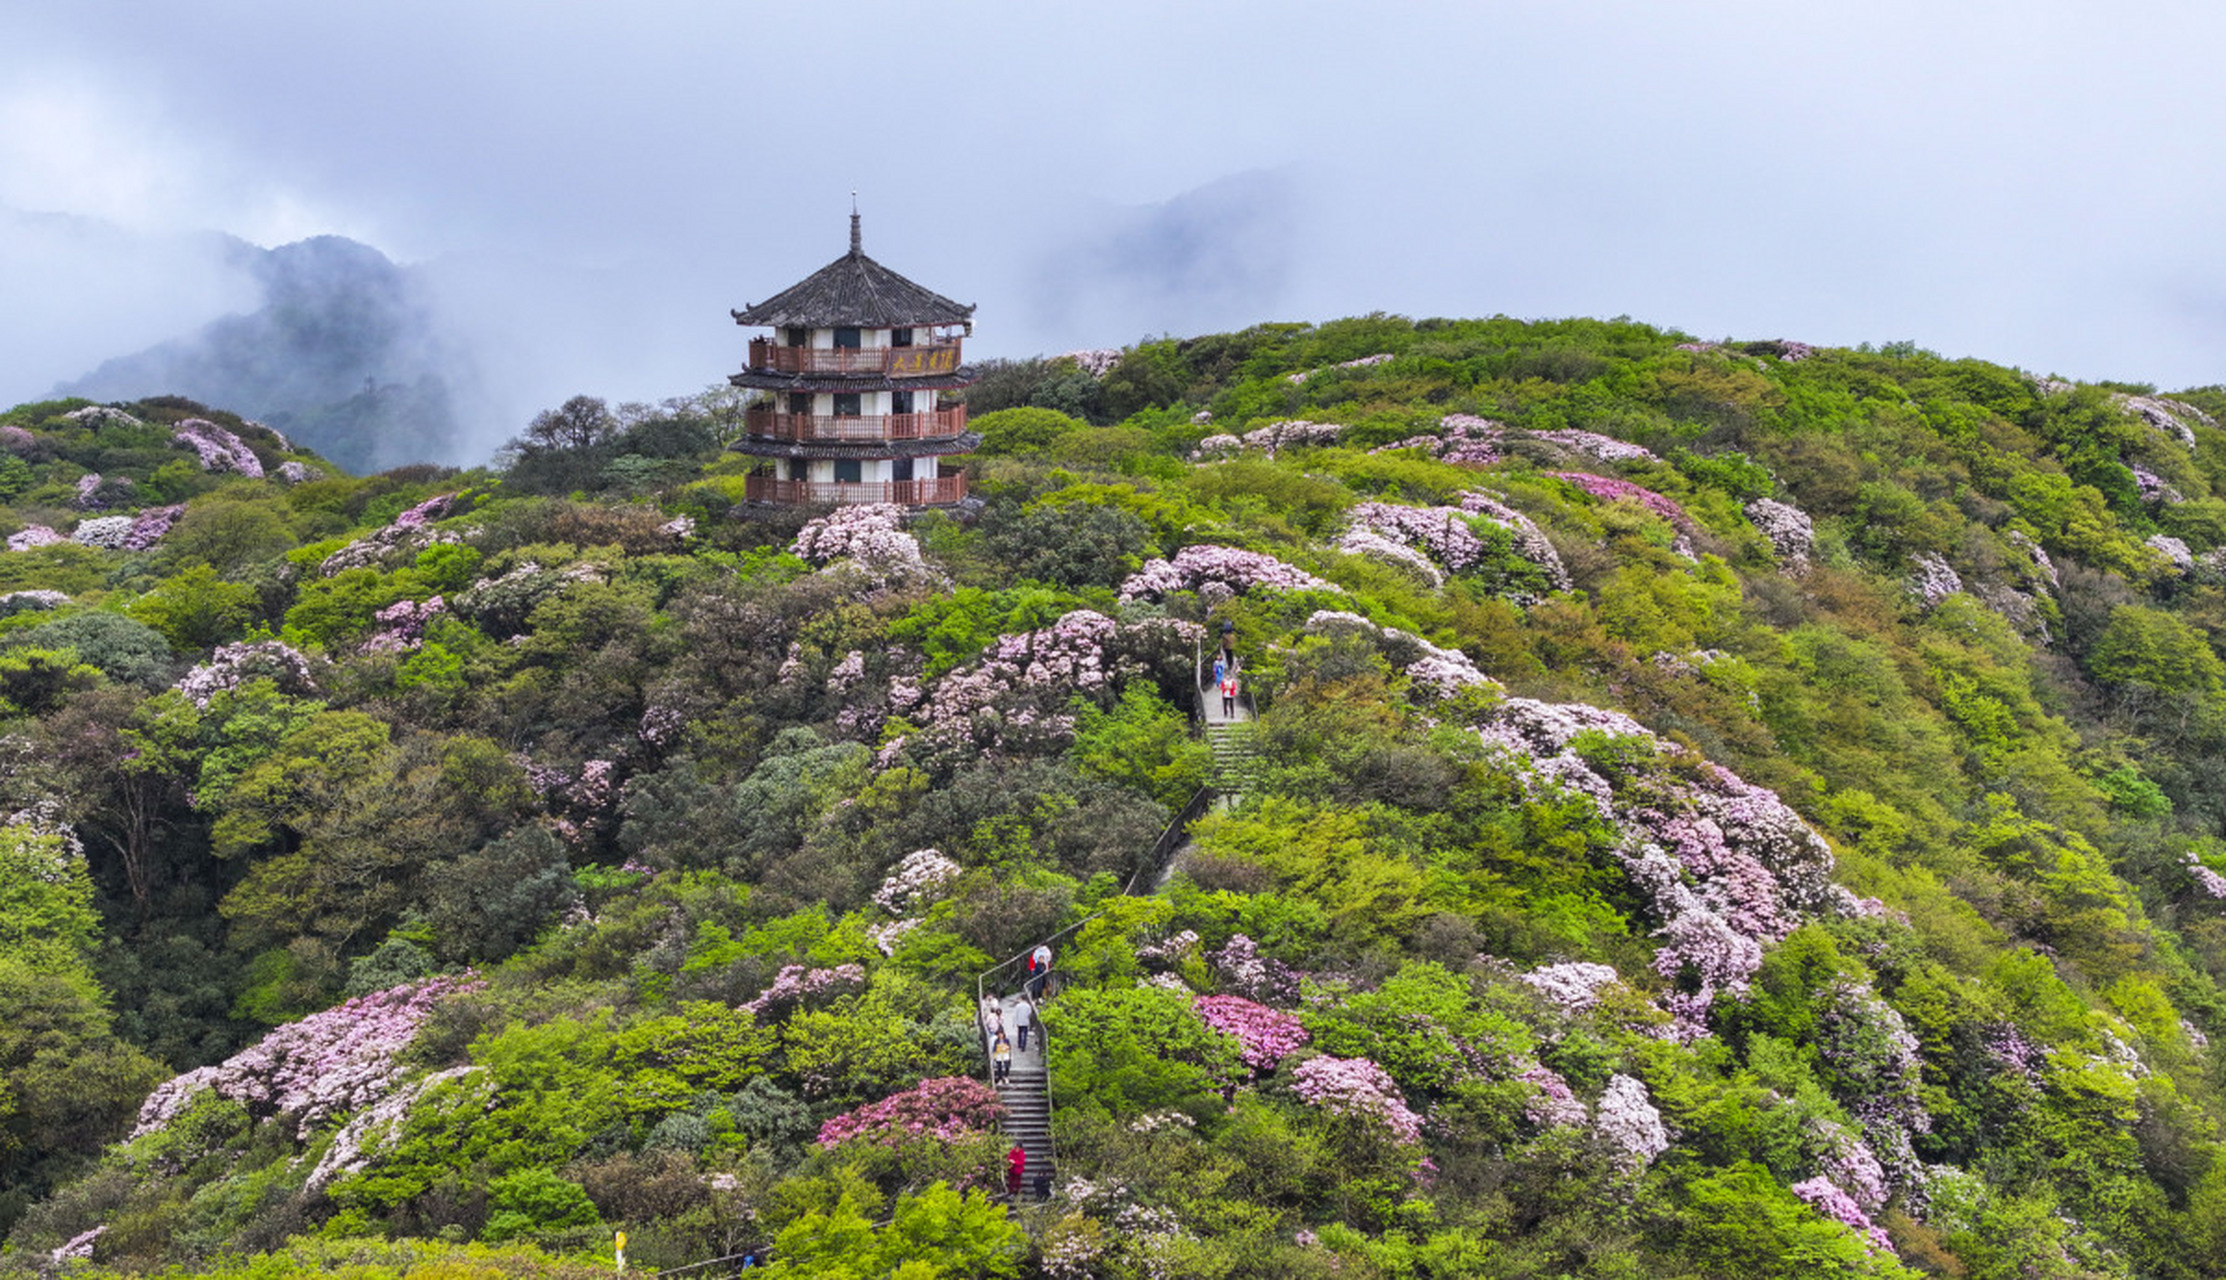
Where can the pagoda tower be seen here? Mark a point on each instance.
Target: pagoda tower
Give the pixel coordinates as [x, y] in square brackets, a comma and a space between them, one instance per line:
[853, 372]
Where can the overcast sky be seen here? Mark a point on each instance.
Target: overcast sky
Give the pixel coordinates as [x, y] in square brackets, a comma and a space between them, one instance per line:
[595, 184]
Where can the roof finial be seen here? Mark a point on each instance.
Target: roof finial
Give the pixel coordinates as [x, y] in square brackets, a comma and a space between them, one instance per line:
[857, 242]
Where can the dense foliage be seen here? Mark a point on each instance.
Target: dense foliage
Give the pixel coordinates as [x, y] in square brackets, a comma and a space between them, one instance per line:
[1721, 809]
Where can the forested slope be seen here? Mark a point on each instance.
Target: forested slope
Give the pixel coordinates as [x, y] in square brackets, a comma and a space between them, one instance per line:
[1723, 808]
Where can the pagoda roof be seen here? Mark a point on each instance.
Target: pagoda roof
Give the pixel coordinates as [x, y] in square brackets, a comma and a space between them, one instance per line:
[855, 290]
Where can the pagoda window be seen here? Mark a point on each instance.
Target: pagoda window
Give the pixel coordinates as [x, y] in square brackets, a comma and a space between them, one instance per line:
[847, 404]
[900, 337]
[900, 401]
[799, 402]
[900, 469]
[846, 339]
[846, 471]
[798, 469]
[797, 335]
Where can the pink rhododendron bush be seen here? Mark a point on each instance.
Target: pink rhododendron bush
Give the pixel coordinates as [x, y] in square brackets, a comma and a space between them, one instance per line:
[1727, 868]
[945, 1109]
[325, 1065]
[1610, 489]
[1359, 1088]
[218, 449]
[1267, 1036]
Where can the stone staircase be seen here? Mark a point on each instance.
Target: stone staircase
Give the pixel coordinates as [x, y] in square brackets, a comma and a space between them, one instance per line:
[1028, 1122]
[1025, 1091]
[1236, 756]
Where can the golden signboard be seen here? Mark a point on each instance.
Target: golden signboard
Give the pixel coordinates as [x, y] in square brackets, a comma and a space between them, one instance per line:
[909, 361]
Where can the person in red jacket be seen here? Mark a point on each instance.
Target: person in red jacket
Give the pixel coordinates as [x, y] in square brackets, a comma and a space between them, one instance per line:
[1016, 1164]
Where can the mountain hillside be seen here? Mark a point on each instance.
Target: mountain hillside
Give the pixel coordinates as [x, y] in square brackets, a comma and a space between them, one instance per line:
[340, 355]
[1691, 808]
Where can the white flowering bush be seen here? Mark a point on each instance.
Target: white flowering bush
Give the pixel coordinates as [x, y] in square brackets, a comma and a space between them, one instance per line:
[1627, 1122]
[1095, 361]
[1530, 542]
[1594, 445]
[1270, 439]
[1375, 546]
[34, 535]
[106, 532]
[2172, 551]
[1202, 565]
[1361, 363]
[1016, 695]
[97, 416]
[871, 531]
[233, 665]
[1933, 581]
[1788, 528]
[1434, 673]
[1829, 1200]
[2175, 418]
[1357, 1087]
[917, 883]
[1573, 987]
[325, 1065]
[869, 539]
[1727, 868]
[36, 600]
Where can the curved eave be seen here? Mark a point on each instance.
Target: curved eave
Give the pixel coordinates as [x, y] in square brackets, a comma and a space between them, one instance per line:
[966, 442]
[855, 290]
[762, 380]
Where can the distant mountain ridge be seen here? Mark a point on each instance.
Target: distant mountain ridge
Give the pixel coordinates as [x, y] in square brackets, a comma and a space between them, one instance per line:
[342, 356]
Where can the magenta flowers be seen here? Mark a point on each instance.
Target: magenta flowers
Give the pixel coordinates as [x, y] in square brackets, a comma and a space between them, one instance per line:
[946, 1108]
[1609, 489]
[1265, 1036]
[1837, 1205]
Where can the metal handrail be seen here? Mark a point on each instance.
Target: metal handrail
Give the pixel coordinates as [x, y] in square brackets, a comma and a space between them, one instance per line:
[1171, 837]
[760, 1254]
[1169, 840]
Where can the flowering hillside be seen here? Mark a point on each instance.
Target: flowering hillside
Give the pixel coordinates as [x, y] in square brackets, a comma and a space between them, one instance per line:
[1718, 809]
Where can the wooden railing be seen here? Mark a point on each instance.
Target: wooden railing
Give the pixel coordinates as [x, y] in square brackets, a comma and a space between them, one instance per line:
[935, 489]
[894, 362]
[766, 423]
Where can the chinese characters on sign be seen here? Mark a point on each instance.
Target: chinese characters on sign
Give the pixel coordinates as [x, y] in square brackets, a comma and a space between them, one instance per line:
[907, 361]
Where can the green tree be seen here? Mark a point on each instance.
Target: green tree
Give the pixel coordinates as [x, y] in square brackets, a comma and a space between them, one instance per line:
[936, 1233]
[2162, 669]
[1132, 1049]
[1145, 744]
[195, 610]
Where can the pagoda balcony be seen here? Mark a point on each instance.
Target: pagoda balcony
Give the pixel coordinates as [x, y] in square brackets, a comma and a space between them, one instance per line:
[767, 423]
[886, 362]
[933, 491]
